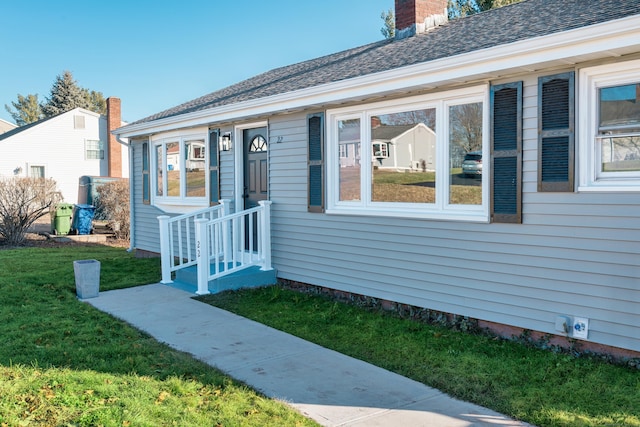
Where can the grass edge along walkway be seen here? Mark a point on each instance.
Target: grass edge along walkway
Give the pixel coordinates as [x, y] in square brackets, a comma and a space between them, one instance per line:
[544, 388]
[64, 362]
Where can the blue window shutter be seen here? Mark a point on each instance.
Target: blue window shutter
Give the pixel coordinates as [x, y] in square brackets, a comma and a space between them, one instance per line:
[556, 117]
[214, 169]
[506, 153]
[146, 180]
[315, 162]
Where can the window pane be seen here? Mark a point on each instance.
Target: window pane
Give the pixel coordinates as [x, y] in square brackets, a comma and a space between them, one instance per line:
[404, 157]
[159, 169]
[465, 154]
[619, 108]
[620, 154]
[173, 169]
[349, 152]
[195, 168]
[94, 150]
[145, 157]
[37, 171]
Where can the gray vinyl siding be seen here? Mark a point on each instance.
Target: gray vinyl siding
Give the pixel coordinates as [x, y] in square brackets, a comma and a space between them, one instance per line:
[575, 254]
[146, 231]
[227, 180]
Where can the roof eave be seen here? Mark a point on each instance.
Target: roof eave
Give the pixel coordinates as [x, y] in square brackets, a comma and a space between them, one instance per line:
[604, 38]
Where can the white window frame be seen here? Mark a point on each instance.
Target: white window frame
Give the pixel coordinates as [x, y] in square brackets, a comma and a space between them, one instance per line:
[36, 165]
[176, 204]
[99, 150]
[382, 152]
[441, 209]
[343, 151]
[590, 80]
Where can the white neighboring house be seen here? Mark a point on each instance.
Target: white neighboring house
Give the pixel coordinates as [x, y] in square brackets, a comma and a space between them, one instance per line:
[6, 126]
[65, 147]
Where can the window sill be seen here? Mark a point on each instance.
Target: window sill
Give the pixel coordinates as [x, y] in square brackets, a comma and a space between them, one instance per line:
[614, 187]
[180, 205]
[466, 216]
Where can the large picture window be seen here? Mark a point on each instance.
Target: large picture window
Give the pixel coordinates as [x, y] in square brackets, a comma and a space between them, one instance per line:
[180, 170]
[610, 145]
[419, 158]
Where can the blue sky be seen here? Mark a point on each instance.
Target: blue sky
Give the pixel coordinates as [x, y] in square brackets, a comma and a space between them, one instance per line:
[157, 54]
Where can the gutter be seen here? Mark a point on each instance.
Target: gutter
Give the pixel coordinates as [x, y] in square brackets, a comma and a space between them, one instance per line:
[521, 55]
[131, 193]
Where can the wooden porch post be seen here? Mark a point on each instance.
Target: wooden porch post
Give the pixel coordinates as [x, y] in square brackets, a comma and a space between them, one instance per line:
[202, 256]
[226, 231]
[265, 233]
[165, 249]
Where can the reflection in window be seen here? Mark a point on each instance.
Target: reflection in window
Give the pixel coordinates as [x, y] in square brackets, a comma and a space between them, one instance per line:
[404, 152]
[619, 108]
[620, 153]
[380, 150]
[159, 169]
[349, 149]
[195, 168]
[173, 168]
[619, 128]
[465, 154]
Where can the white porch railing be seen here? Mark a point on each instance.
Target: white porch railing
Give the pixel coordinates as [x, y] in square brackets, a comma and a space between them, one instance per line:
[219, 243]
[178, 241]
[232, 243]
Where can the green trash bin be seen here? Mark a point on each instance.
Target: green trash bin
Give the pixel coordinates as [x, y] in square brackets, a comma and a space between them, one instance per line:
[61, 219]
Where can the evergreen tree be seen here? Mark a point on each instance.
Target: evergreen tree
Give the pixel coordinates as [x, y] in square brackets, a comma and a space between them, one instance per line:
[460, 8]
[27, 110]
[65, 95]
[95, 101]
[389, 28]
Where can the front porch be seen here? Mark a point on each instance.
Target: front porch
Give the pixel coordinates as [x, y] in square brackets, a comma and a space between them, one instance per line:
[213, 250]
[186, 279]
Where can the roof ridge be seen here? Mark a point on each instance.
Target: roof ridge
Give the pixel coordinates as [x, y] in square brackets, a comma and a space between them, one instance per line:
[512, 23]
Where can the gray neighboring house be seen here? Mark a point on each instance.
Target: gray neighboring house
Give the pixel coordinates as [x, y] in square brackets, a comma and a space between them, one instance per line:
[404, 147]
[549, 241]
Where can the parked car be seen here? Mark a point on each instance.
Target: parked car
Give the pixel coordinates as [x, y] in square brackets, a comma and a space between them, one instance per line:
[472, 163]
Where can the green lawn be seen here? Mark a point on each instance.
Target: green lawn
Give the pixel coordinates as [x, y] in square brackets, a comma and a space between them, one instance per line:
[65, 363]
[538, 386]
[62, 362]
[419, 187]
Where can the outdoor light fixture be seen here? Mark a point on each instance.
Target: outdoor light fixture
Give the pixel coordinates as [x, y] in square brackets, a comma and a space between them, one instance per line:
[224, 142]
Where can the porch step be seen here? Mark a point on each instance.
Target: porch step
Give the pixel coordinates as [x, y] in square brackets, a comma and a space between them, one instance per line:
[187, 279]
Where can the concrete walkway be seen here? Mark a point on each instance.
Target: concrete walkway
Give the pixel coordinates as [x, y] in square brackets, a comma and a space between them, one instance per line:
[329, 387]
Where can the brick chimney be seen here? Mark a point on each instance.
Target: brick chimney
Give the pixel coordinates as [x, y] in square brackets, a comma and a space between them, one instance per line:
[419, 16]
[114, 149]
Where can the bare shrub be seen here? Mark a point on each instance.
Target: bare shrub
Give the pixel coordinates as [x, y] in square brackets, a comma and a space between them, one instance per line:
[22, 202]
[113, 202]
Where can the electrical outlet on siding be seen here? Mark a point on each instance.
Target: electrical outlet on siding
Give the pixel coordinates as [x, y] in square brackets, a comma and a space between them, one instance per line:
[580, 328]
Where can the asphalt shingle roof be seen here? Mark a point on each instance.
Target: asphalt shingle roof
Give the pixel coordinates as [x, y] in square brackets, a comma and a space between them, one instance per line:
[388, 132]
[516, 22]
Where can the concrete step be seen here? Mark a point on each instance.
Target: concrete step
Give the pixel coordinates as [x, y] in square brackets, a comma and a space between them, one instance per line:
[187, 279]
